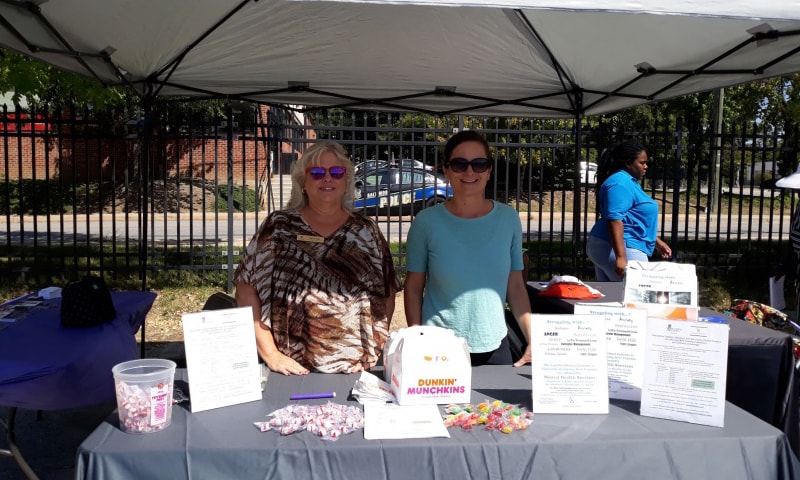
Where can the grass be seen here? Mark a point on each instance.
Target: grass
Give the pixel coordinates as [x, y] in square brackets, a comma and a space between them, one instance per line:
[182, 291]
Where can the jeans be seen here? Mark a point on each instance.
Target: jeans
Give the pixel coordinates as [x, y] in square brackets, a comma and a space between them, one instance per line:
[602, 255]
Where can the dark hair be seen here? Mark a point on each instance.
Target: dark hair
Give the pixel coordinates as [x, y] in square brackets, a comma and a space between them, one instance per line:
[462, 137]
[616, 158]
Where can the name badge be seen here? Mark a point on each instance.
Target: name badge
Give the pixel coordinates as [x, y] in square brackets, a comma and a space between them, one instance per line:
[310, 238]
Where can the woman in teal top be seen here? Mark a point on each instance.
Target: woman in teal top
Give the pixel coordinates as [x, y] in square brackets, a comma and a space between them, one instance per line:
[464, 259]
[626, 229]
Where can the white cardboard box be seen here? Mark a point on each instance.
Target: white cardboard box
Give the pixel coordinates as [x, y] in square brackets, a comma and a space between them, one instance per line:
[430, 368]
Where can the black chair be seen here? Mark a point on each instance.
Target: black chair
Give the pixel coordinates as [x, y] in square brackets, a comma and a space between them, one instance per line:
[219, 301]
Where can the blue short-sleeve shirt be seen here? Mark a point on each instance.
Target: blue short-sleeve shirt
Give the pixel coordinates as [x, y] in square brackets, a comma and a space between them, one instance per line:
[622, 198]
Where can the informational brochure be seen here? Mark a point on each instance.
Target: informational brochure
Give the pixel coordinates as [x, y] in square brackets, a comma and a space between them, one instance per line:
[389, 420]
[221, 358]
[569, 364]
[665, 289]
[685, 371]
[625, 341]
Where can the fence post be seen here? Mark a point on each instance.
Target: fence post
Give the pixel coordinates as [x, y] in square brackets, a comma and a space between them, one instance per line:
[716, 151]
[676, 180]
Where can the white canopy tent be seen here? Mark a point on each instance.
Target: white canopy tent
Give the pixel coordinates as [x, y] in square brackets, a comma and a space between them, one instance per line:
[544, 58]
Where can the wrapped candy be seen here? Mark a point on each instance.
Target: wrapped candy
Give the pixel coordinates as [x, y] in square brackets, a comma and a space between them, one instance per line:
[328, 421]
[144, 409]
[495, 415]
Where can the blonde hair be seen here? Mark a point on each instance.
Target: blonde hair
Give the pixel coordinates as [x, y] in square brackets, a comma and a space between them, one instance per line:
[311, 158]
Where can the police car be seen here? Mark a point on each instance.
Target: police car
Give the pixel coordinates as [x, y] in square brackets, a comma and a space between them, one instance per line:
[409, 189]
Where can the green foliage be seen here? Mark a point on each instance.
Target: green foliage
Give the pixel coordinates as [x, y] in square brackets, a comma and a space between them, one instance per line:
[244, 200]
[43, 84]
[41, 197]
[53, 197]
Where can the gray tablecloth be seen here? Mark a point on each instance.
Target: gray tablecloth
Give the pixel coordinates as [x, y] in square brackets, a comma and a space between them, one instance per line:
[223, 443]
[762, 378]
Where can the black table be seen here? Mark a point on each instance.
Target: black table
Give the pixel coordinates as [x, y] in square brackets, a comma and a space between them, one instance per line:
[761, 371]
[223, 443]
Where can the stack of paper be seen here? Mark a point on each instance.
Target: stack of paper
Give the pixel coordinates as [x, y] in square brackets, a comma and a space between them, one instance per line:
[369, 388]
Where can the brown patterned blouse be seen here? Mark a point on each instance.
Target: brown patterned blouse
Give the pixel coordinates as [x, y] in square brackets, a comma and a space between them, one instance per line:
[323, 299]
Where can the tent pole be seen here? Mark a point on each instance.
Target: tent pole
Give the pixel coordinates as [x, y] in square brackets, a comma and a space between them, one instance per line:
[144, 183]
[576, 201]
[229, 139]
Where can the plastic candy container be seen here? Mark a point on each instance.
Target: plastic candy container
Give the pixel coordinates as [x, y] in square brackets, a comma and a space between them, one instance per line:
[144, 394]
[493, 415]
[328, 421]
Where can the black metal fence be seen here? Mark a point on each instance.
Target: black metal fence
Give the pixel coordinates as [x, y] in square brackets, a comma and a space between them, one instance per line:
[180, 194]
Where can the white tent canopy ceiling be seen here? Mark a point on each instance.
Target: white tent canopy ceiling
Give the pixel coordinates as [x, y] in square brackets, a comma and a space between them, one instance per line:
[542, 58]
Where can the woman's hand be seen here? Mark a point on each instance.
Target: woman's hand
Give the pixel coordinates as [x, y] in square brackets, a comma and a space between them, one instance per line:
[525, 358]
[663, 249]
[280, 363]
[360, 367]
[620, 264]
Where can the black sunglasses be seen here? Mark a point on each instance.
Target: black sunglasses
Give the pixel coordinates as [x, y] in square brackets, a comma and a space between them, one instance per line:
[318, 173]
[479, 165]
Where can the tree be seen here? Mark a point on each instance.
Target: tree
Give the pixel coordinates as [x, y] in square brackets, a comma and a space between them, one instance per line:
[774, 102]
[42, 84]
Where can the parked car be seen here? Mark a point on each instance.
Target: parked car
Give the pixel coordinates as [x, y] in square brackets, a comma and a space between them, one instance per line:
[588, 172]
[411, 163]
[368, 165]
[410, 190]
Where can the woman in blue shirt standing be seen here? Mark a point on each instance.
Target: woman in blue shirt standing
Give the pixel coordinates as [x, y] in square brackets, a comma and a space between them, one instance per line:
[465, 257]
[627, 227]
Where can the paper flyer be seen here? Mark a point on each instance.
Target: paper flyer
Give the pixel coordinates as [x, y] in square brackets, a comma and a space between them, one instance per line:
[665, 289]
[625, 341]
[387, 420]
[569, 365]
[221, 358]
[685, 371]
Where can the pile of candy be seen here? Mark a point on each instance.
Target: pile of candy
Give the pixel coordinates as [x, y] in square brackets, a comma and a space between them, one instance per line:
[144, 409]
[496, 415]
[328, 421]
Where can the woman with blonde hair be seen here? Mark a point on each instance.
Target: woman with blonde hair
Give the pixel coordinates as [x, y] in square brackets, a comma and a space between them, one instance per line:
[319, 278]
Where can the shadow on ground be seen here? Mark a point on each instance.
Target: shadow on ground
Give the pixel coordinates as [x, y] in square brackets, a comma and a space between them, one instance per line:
[49, 443]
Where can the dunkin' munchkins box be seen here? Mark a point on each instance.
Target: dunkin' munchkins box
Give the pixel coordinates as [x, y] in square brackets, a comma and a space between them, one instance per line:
[430, 366]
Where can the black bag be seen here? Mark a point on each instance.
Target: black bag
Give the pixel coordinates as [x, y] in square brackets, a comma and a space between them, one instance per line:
[86, 303]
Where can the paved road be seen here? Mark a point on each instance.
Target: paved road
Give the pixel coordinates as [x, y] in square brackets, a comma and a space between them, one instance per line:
[192, 229]
[211, 229]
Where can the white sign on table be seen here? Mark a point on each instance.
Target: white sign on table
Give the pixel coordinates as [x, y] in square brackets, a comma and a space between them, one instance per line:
[685, 371]
[625, 340]
[221, 358]
[568, 364]
[665, 289]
